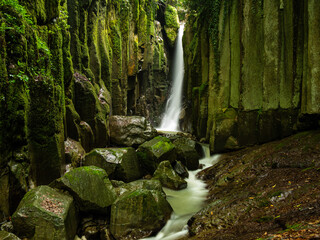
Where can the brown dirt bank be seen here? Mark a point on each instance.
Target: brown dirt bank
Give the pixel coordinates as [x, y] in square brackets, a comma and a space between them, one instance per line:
[270, 191]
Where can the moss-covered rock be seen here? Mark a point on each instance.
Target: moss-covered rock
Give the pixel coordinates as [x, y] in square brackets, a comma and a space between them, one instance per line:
[172, 24]
[45, 130]
[45, 213]
[8, 236]
[151, 184]
[90, 186]
[139, 214]
[168, 177]
[153, 152]
[187, 152]
[119, 163]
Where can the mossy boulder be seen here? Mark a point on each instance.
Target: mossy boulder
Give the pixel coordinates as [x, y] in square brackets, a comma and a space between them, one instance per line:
[119, 163]
[152, 184]
[74, 152]
[187, 152]
[172, 24]
[130, 130]
[46, 213]
[4, 235]
[139, 214]
[168, 177]
[153, 152]
[90, 187]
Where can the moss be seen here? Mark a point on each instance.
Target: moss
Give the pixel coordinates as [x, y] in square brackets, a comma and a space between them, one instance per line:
[116, 41]
[171, 17]
[142, 26]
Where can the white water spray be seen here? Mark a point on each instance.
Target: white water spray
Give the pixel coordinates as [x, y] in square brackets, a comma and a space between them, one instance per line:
[170, 120]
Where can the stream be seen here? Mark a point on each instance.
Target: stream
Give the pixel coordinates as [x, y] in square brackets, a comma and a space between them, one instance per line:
[186, 202]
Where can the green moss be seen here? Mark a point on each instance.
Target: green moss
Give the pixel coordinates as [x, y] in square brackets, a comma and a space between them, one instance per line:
[116, 41]
[171, 17]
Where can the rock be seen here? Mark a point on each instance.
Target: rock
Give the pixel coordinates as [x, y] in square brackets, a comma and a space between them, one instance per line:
[187, 153]
[153, 152]
[168, 177]
[130, 130]
[92, 107]
[119, 163]
[7, 226]
[151, 184]
[86, 136]
[172, 24]
[90, 187]
[8, 236]
[45, 213]
[45, 131]
[74, 152]
[181, 170]
[139, 214]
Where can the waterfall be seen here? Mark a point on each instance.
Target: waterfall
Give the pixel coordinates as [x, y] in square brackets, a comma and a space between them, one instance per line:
[170, 120]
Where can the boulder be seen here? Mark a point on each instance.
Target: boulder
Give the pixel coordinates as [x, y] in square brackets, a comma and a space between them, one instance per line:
[168, 177]
[119, 163]
[8, 236]
[130, 130]
[187, 153]
[181, 170]
[90, 187]
[151, 184]
[46, 213]
[74, 152]
[139, 214]
[153, 152]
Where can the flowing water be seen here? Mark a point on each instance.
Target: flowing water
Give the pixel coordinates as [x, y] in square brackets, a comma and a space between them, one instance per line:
[170, 120]
[185, 203]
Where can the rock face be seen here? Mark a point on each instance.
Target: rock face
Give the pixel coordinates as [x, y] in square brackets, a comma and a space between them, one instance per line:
[130, 130]
[153, 152]
[187, 152]
[45, 213]
[119, 163]
[251, 80]
[65, 67]
[168, 177]
[90, 187]
[138, 214]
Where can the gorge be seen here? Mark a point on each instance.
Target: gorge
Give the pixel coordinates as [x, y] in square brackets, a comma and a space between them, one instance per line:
[83, 82]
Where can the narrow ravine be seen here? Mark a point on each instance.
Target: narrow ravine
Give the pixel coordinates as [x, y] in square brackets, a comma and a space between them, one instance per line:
[186, 202]
[170, 119]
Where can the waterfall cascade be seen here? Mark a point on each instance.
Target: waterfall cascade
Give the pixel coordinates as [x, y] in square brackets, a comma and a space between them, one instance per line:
[170, 119]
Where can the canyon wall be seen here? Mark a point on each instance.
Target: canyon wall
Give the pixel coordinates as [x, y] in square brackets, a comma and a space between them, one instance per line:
[252, 73]
[65, 67]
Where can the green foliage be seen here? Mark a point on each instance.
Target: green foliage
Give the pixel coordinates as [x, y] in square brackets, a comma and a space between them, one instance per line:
[19, 8]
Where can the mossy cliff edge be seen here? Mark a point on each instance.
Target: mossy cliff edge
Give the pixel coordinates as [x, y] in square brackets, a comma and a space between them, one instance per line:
[252, 73]
[65, 67]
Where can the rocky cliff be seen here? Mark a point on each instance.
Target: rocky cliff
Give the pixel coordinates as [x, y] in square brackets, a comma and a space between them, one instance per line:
[252, 73]
[65, 67]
